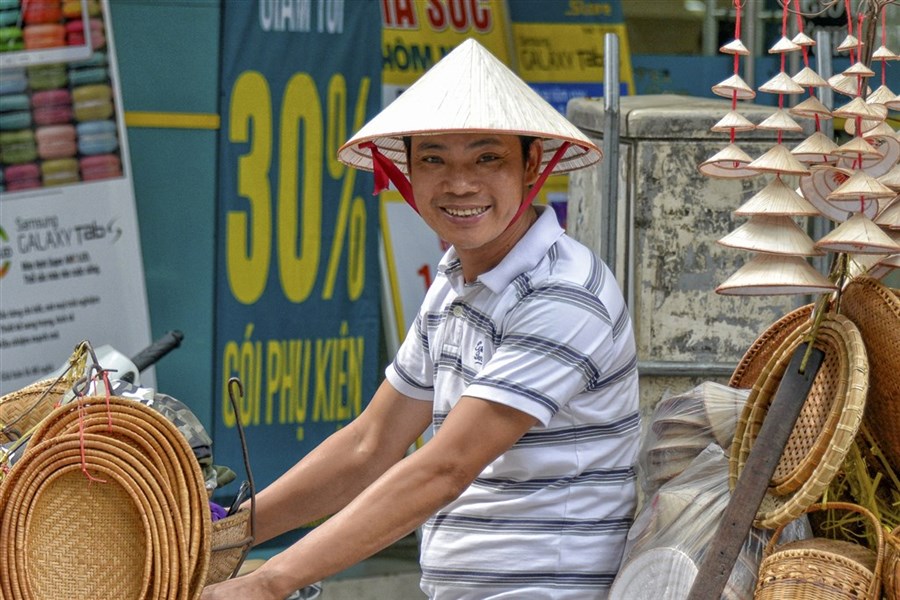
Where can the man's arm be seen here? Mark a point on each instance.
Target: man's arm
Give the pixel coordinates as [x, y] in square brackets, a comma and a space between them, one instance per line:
[337, 470]
[474, 433]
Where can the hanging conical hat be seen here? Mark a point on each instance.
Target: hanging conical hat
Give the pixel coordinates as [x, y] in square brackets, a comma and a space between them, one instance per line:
[467, 91]
[776, 198]
[889, 217]
[728, 87]
[859, 108]
[811, 108]
[778, 159]
[772, 234]
[893, 104]
[843, 84]
[728, 163]
[850, 43]
[858, 235]
[768, 274]
[784, 45]
[859, 69]
[856, 146]
[861, 263]
[801, 39]
[883, 53]
[735, 47]
[861, 185]
[733, 121]
[866, 125]
[816, 149]
[781, 84]
[884, 266]
[780, 121]
[807, 78]
[887, 148]
[821, 182]
[892, 178]
[881, 95]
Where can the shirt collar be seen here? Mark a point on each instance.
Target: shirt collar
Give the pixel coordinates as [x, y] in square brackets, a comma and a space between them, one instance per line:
[524, 256]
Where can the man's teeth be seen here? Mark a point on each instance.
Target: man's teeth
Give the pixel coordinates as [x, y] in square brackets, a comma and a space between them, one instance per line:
[465, 212]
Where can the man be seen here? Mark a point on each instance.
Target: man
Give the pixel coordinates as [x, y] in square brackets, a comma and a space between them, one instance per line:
[522, 357]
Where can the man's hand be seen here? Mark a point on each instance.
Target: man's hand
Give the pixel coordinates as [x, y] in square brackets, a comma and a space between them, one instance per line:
[254, 586]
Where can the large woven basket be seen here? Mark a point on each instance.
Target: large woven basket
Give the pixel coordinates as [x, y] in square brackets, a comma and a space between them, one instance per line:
[891, 568]
[759, 353]
[819, 568]
[829, 419]
[875, 309]
[24, 408]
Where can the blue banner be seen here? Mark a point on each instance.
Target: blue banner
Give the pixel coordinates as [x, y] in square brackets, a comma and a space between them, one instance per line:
[297, 282]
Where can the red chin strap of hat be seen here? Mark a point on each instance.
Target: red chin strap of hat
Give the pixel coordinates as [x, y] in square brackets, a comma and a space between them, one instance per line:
[386, 172]
[532, 193]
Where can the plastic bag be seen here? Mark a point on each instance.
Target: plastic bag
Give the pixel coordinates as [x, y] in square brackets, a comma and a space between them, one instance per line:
[682, 426]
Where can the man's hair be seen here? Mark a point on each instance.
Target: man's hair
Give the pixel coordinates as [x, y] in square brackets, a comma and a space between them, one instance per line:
[526, 141]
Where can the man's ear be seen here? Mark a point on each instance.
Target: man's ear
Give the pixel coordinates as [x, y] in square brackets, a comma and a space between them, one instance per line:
[533, 163]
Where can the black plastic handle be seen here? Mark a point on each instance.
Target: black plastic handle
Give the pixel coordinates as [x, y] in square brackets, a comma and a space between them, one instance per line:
[155, 351]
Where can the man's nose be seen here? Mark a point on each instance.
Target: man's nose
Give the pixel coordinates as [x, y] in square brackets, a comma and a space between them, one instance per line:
[461, 180]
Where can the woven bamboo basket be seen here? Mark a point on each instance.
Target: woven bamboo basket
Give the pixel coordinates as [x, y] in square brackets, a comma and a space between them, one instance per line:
[875, 309]
[24, 408]
[819, 568]
[830, 418]
[152, 435]
[891, 568]
[232, 537]
[759, 353]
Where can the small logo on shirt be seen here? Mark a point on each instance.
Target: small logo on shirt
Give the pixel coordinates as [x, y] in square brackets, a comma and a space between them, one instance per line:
[479, 353]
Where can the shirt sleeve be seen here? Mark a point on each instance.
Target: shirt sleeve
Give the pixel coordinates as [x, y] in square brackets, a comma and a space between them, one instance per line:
[411, 372]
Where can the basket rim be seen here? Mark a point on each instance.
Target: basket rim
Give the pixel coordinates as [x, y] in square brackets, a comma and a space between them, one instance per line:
[761, 350]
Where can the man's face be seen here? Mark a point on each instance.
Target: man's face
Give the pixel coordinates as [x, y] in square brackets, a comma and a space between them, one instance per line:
[468, 186]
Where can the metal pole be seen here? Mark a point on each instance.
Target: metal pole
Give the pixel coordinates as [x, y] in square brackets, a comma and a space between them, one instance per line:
[751, 16]
[710, 30]
[610, 167]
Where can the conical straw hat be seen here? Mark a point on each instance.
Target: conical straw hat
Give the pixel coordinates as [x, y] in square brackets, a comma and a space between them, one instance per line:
[778, 274]
[884, 266]
[801, 39]
[859, 108]
[859, 69]
[856, 146]
[727, 87]
[850, 43]
[816, 149]
[811, 108]
[886, 144]
[809, 78]
[776, 198]
[883, 53]
[893, 104]
[735, 47]
[861, 263]
[784, 45]
[858, 235]
[892, 178]
[861, 185]
[728, 163]
[779, 121]
[778, 159]
[733, 121]
[889, 217]
[781, 84]
[843, 84]
[772, 234]
[866, 125]
[881, 95]
[821, 182]
[467, 91]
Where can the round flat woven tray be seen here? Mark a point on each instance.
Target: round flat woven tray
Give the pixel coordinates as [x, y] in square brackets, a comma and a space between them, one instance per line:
[49, 561]
[761, 350]
[153, 435]
[875, 309]
[24, 408]
[830, 418]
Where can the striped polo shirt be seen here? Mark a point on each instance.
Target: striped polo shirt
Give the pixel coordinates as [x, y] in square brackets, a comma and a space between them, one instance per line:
[548, 333]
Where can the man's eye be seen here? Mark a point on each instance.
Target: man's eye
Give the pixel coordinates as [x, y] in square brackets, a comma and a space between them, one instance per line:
[487, 157]
[430, 159]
